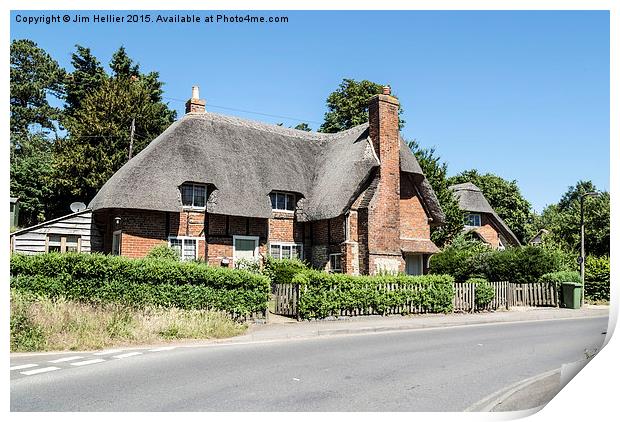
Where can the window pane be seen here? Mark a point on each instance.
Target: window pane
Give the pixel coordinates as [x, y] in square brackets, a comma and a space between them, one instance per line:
[274, 251]
[290, 202]
[186, 194]
[53, 248]
[189, 249]
[334, 261]
[199, 196]
[272, 196]
[177, 245]
[244, 248]
[281, 205]
[286, 252]
[116, 244]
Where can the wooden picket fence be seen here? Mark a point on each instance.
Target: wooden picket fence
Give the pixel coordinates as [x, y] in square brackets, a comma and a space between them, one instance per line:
[533, 294]
[286, 297]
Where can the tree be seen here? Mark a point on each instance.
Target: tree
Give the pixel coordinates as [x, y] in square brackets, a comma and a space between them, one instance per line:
[505, 198]
[32, 179]
[348, 105]
[563, 220]
[303, 126]
[34, 76]
[87, 77]
[435, 171]
[99, 133]
[122, 65]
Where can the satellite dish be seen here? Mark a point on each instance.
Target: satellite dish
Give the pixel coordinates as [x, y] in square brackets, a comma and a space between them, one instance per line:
[77, 206]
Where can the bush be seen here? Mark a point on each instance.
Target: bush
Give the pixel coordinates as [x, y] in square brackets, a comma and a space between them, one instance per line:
[283, 270]
[163, 252]
[560, 277]
[463, 260]
[458, 258]
[597, 278]
[325, 294]
[140, 282]
[484, 291]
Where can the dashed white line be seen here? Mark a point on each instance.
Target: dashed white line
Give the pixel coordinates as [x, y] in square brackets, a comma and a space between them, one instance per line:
[30, 365]
[66, 359]
[40, 370]
[108, 352]
[87, 362]
[161, 349]
[126, 355]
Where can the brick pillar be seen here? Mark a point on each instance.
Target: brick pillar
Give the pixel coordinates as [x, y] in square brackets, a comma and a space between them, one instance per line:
[384, 215]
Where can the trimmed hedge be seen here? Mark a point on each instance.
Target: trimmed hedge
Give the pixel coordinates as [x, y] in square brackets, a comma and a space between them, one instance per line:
[139, 282]
[484, 291]
[560, 277]
[327, 294]
[282, 271]
[597, 278]
[516, 265]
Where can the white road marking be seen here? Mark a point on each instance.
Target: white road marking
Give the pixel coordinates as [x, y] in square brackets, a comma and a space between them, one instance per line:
[108, 352]
[161, 349]
[126, 355]
[66, 359]
[30, 365]
[40, 370]
[87, 362]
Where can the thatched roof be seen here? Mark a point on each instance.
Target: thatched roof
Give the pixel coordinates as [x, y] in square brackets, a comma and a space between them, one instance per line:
[471, 199]
[243, 161]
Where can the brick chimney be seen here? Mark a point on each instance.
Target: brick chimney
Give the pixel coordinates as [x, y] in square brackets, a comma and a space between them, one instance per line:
[195, 104]
[384, 218]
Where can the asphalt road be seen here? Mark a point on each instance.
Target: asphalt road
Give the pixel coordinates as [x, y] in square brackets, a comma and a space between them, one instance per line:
[443, 369]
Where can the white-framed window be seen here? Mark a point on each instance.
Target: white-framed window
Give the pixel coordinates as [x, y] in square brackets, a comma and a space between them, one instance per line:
[116, 242]
[63, 243]
[335, 263]
[245, 247]
[186, 247]
[473, 220]
[282, 201]
[285, 250]
[194, 195]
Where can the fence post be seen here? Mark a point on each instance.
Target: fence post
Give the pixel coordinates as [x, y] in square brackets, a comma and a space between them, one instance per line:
[297, 289]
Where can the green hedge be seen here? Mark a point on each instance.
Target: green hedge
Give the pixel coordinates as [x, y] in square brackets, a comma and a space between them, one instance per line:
[560, 277]
[516, 265]
[283, 270]
[484, 291]
[139, 282]
[325, 294]
[597, 278]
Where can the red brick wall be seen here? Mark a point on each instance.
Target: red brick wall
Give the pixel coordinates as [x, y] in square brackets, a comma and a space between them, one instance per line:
[413, 219]
[488, 231]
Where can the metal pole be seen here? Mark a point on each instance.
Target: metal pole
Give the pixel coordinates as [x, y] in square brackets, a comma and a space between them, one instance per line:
[583, 254]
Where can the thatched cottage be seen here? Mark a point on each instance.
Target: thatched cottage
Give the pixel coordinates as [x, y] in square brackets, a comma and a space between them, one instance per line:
[481, 219]
[220, 188]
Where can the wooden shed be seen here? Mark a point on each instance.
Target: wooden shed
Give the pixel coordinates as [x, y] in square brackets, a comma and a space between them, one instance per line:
[70, 233]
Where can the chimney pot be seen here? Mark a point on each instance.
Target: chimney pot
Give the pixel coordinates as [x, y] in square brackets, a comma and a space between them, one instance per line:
[387, 90]
[195, 104]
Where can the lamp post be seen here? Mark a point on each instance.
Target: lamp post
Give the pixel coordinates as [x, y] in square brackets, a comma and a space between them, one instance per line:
[582, 258]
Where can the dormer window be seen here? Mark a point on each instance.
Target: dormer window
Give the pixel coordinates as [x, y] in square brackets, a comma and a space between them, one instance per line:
[282, 201]
[473, 220]
[194, 195]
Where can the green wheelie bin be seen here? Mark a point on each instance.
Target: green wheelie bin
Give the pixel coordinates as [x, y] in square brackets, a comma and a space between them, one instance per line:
[571, 295]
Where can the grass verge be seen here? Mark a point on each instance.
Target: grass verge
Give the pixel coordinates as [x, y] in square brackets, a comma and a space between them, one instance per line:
[44, 324]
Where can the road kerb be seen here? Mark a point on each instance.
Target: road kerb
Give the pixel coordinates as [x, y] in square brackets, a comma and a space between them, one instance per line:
[493, 400]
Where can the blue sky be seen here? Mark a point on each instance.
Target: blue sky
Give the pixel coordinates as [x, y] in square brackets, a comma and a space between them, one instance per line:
[524, 95]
